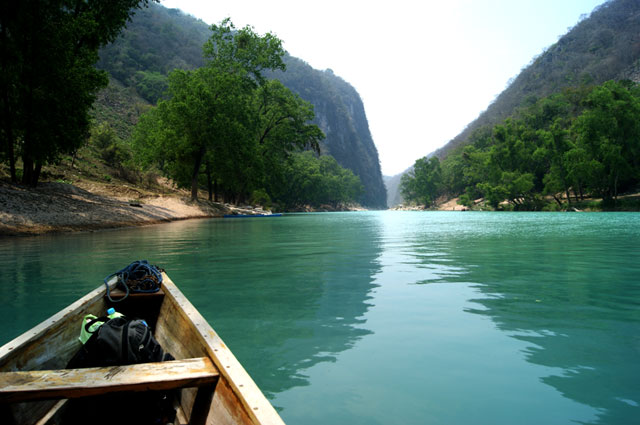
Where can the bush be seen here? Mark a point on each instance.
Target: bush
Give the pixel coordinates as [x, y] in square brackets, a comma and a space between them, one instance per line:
[128, 174]
[103, 136]
[261, 198]
[554, 206]
[465, 200]
[115, 154]
[150, 179]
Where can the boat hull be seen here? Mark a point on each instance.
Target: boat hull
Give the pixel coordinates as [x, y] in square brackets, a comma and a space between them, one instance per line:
[178, 327]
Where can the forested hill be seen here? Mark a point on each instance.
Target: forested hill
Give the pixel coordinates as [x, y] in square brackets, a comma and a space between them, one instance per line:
[602, 47]
[158, 40]
[341, 116]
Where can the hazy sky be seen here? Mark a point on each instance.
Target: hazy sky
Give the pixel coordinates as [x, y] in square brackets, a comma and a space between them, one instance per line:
[424, 69]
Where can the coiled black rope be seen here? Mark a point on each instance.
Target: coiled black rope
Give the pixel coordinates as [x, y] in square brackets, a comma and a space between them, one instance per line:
[139, 276]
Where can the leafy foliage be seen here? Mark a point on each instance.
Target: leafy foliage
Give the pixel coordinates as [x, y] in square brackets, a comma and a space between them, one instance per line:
[317, 182]
[576, 143]
[159, 40]
[599, 48]
[227, 120]
[423, 184]
[341, 116]
[47, 80]
[156, 41]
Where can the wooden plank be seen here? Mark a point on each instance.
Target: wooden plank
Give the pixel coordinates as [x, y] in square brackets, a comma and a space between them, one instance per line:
[138, 305]
[236, 394]
[53, 412]
[49, 345]
[118, 293]
[53, 342]
[201, 406]
[75, 383]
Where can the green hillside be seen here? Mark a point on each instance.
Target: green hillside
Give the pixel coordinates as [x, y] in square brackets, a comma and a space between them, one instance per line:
[158, 40]
[601, 47]
[341, 116]
[604, 46]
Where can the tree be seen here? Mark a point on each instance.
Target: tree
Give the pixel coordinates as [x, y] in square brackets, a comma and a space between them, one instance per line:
[608, 133]
[424, 183]
[583, 140]
[48, 81]
[150, 85]
[281, 126]
[227, 120]
[207, 112]
[309, 180]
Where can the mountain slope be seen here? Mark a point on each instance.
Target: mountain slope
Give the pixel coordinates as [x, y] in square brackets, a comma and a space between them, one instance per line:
[603, 47]
[158, 40]
[392, 183]
[341, 116]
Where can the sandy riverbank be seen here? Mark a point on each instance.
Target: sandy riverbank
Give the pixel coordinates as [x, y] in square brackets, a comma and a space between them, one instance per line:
[60, 207]
[450, 205]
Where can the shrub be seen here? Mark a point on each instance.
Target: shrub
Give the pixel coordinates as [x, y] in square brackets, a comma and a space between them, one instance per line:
[260, 197]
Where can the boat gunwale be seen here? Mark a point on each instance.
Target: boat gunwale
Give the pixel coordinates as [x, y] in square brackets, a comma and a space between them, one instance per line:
[258, 409]
[256, 405]
[39, 330]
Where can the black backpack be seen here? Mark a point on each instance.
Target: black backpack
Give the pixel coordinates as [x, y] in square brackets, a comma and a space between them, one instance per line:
[121, 341]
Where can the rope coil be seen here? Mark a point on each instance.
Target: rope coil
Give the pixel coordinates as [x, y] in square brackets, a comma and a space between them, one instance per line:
[137, 277]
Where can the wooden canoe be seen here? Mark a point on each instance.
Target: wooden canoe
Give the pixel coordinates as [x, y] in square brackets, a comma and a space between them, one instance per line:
[214, 387]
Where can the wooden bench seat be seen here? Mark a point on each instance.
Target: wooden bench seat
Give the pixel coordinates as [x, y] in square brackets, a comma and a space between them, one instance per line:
[75, 383]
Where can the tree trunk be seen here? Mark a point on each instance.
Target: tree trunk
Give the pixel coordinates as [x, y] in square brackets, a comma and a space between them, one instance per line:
[196, 172]
[9, 150]
[8, 132]
[194, 186]
[215, 190]
[27, 169]
[209, 183]
[12, 163]
[8, 128]
[36, 174]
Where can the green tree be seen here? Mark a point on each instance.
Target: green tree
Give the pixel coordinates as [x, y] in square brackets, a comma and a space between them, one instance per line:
[608, 133]
[583, 140]
[424, 183]
[314, 181]
[150, 85]
[281, 126]
[109, 146]
[208, 110]
[48, 81]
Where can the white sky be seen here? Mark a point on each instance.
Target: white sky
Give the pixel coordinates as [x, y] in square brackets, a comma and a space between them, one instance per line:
[424, 69]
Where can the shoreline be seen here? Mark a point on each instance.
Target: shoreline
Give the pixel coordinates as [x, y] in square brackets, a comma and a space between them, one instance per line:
[88, 205]
[55, 207]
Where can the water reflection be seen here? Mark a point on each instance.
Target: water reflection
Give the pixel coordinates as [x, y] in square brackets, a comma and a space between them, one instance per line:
[572, 295]
[289, 294]
[449, 318]
[284, 293]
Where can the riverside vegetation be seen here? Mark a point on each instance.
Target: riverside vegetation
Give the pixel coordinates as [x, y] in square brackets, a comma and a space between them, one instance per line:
[158, 40]
[223, 126]
[562, 135]
[550, 155]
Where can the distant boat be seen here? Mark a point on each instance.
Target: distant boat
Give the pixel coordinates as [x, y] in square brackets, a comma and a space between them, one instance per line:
[251, 215]
[215, 388]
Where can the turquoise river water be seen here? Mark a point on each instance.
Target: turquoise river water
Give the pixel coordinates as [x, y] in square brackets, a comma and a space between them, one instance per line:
[388, 317]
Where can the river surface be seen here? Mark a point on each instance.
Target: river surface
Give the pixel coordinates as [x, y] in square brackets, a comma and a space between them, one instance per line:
[388, 317]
